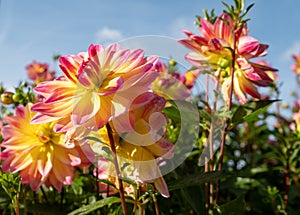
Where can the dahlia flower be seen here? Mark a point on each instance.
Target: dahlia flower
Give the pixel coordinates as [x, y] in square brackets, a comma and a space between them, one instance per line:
[39, 72]
[214, 49]
[97, 86]
[140, 150]
[36, 152]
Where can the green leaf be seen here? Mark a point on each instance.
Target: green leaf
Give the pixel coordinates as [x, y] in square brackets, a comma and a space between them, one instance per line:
[249, 112]
[193, 197]
[204, 114]
[172, 113]
[234, 207]
[198, 178]
[96, 205]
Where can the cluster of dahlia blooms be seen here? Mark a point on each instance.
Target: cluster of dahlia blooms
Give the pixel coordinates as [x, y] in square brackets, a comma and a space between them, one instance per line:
[106, 86]
[223, 45]
[39, 72]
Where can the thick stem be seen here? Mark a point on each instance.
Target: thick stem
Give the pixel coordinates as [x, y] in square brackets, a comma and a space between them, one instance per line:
[211, 136]
[207, 190]
[97, 182]
[116, 164]
[206, 162]
[155, 205]
[227, 121]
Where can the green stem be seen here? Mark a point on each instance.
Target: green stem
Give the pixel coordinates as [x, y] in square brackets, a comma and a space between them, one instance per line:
[116, 164]
[17, 204]
[287, 180]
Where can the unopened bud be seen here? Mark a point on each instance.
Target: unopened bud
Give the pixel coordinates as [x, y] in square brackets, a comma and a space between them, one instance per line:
[17, 97]
[172, 62]
[6, 98]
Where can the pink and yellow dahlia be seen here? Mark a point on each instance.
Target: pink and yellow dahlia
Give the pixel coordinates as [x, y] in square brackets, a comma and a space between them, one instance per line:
[97, 86]
[39, 72]
[36, 152]
[296, 66]
[214, 49]
[140, 150]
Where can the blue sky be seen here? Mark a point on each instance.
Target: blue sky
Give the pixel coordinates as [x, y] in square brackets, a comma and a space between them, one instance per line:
[35, 30]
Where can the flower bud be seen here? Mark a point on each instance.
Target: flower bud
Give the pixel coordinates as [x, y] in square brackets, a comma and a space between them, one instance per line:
[17, 97]
[172, 62]
[6, 98]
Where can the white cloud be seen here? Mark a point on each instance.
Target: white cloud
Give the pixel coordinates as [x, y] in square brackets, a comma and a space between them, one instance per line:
[180, 24]
[107, 34]
[293, 49]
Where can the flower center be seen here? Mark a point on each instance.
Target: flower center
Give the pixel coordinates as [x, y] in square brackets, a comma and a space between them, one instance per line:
[44, 135]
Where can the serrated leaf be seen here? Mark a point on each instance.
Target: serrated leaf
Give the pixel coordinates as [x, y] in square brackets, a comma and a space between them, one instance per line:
[94, 206]
[250, 111]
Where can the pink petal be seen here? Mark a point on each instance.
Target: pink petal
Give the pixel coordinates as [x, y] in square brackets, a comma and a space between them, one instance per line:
[207, 29]
[224, 30]
[41, 118]
[162, 187]
[247, 45]
[46, 88]
[54, 110]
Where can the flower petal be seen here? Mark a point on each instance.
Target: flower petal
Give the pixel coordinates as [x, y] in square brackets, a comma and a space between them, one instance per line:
[86, 106]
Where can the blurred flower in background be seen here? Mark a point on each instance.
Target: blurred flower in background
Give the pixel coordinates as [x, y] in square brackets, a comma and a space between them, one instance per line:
[39, 72]
[296, 66]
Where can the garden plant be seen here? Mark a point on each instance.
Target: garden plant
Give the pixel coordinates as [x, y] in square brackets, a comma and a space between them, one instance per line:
[123, 132]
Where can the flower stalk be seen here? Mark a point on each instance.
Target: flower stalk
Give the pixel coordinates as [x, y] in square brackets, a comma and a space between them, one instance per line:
[117, 168]
[227, 120]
